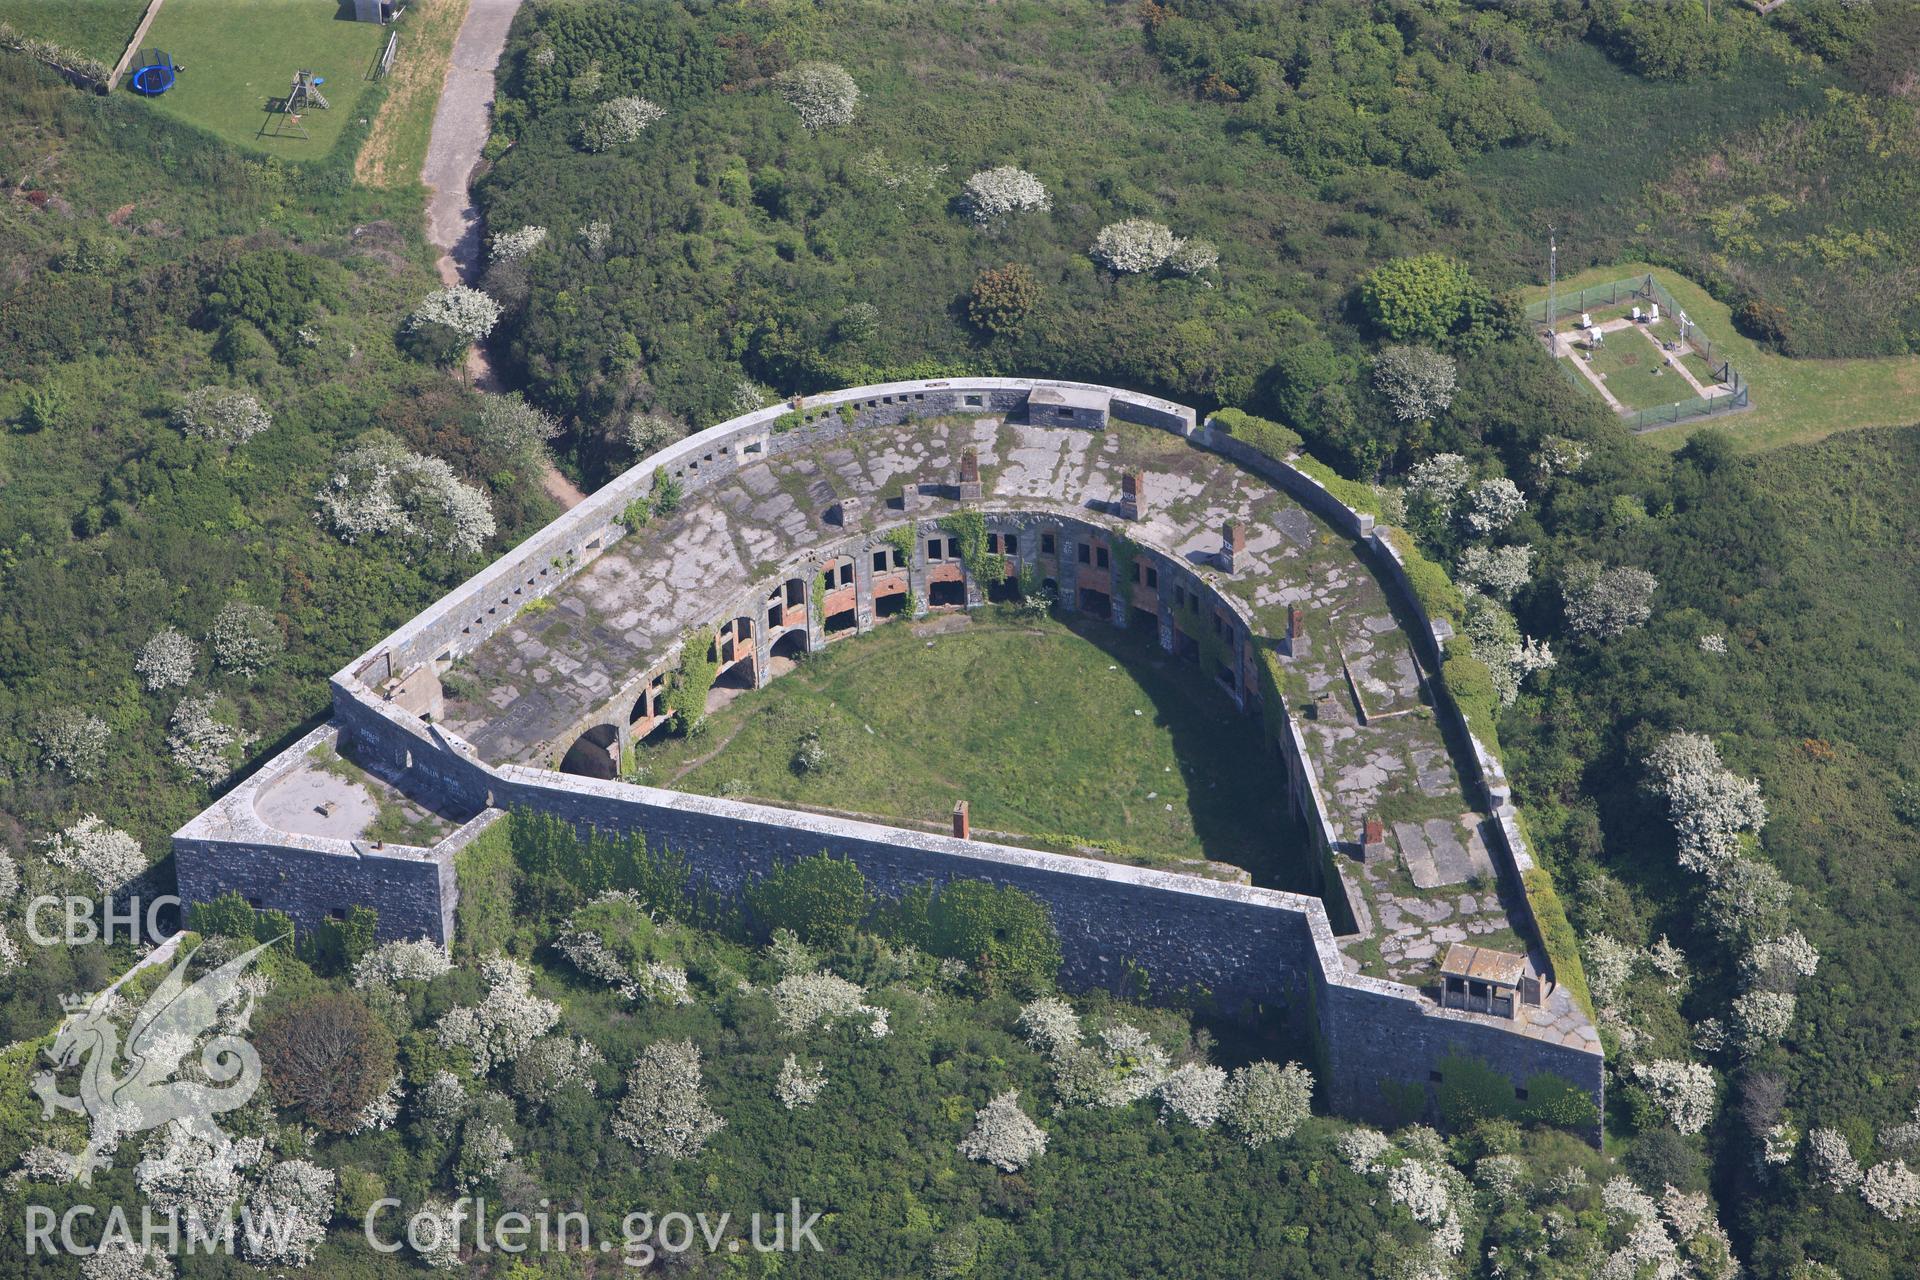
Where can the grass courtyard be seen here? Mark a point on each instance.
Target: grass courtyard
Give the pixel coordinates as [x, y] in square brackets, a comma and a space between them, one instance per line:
[1794, 401]
[239, 58]
[1059, 732]
[98, 28]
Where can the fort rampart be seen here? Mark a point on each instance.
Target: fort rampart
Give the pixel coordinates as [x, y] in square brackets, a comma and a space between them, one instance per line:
[1248, 948]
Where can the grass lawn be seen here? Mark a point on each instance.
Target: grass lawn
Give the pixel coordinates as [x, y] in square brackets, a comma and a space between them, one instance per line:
[1633, 369]
[99, 28]
[238, 59]
[1047, 729]
[1794, 401]
[396, 149]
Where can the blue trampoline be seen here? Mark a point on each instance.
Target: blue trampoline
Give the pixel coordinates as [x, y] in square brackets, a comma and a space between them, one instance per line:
[155, 73]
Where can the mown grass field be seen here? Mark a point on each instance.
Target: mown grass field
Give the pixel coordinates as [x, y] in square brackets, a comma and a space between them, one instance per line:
[238, 59]
[1046, 729]
[1794, 401]
[98, 28]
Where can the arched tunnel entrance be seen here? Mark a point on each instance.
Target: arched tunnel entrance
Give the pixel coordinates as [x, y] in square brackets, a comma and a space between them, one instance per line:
[594, 754]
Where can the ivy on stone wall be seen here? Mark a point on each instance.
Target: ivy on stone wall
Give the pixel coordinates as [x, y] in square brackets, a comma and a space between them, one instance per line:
[901, 539]
[687, 698]
[970, 529]
[817, 601]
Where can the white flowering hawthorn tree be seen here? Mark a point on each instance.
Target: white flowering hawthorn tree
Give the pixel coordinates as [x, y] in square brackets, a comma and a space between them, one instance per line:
[245, 638]
[517, 245]
[1417, 382]
[464, 312]
[1194, 1092]
[102, 856]
[665, 1112]
[1509, 656]
[514, 427]
[201, 744]
[222, 415]
[1049, 1025]
[648, 433]
[1265, 1102]
[1193, 257]
[501, 1027]
[1134, 246]
[166, 660]
[799, 1084]
[993, 194]
[1495, 571]
[596, 235]
[1604, 602]
[185, 1173]
[485, 1149]
[552, 1063]
[822, 94]
[1891, 1189]
[124, 1260]
[434, 1234]
[619, 120]
[414, 960]
[1684, 1091]
[1710, 806]
[1364, 1150]
[1492, 505]
[1831, 1160]
[802, 1001]
[379, 489]
[73, 741]
[1003, 1135]
[288, 1212]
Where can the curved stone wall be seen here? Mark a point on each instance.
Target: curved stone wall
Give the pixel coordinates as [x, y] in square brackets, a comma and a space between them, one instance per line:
[1248, 947]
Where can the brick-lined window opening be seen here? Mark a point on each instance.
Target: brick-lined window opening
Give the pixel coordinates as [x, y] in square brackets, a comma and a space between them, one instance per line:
[1084, 553]
[1100, 558]
[1046, 544]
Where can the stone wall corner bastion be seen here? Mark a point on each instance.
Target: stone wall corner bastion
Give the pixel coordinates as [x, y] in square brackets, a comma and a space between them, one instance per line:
[1300, 622]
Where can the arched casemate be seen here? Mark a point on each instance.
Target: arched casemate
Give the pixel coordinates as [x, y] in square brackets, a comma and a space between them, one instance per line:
[594, 754]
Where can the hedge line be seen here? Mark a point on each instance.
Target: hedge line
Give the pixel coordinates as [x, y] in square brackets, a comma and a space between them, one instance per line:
[1557, 938]
[1430, 581]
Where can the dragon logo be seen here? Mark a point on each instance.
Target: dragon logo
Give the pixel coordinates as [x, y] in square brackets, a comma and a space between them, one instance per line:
[145, 1095]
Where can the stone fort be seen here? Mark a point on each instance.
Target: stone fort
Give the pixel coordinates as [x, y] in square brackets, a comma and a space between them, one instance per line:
[807, 522]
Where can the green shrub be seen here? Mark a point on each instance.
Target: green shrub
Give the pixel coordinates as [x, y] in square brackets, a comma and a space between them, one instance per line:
[1470, 685]
[1555, 1100]
[1431, 584]
[1557, 937]
[687, 697]
[1421, 299]
[275, 290]
[1470, 1091]
[1267, 436]
[228, 916]
[554, 856]
[1007, 933]
[1359, 497]
[822, 899]
[484, 869]
[336, 945]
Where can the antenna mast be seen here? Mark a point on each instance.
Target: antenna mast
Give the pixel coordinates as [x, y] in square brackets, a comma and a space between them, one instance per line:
[1553, 293]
